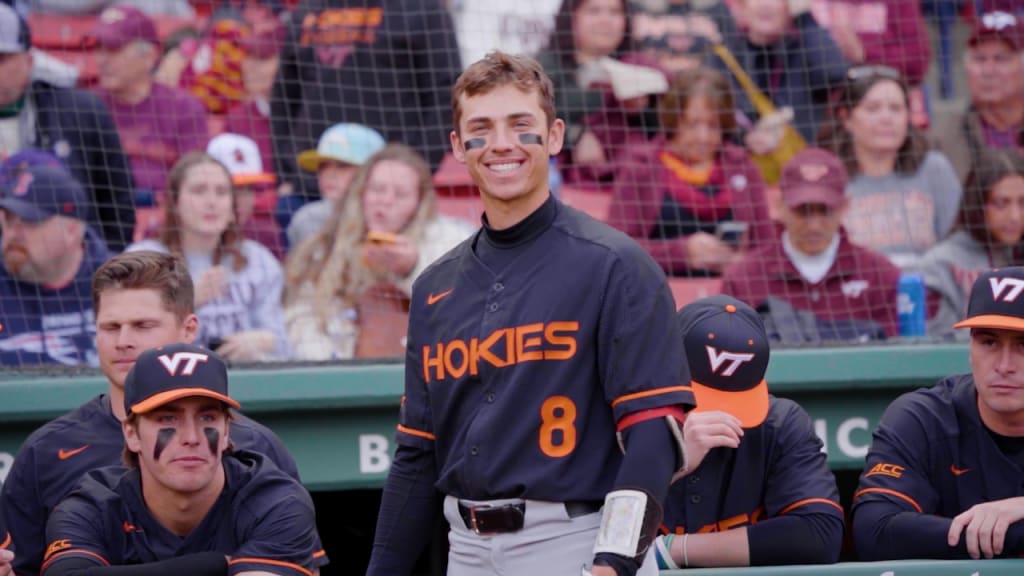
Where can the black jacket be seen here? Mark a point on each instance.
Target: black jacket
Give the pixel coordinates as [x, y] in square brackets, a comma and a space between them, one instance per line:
[78, 129]
[386, 64]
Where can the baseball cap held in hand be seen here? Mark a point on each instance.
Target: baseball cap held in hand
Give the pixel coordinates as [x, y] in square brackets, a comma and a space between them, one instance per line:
[163, 375]
[997, 300]
[727, 351]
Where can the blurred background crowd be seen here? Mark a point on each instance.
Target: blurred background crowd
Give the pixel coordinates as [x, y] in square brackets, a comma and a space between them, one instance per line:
[847, 167]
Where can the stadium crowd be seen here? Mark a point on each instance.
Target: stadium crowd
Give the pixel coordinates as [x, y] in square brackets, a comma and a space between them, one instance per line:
[295, 153]
[295, 156]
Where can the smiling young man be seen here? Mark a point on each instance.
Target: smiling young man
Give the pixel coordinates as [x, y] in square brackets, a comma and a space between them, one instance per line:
[142, 300]
[187, 502]
[543, 367]
[943, 476]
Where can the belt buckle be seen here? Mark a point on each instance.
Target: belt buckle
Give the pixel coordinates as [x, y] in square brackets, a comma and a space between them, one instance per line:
[472, 519]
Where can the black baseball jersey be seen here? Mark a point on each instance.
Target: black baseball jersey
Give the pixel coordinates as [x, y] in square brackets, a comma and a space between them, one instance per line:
[517, 380]
[264, 520]
[56, 456]
[778, 468]
[932, 455]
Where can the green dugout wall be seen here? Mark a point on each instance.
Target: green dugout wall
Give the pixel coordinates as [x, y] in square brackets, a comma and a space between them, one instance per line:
[339, 420]
[339, 423]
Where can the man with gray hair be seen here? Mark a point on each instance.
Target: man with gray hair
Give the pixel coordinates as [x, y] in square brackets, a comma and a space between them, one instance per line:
[157, 124]
[994, 117]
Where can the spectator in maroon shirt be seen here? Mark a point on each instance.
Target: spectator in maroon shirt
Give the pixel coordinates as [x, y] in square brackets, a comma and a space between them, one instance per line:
[157, 124]
[689, 194]
[994, 117]
[812, 265]
[889, 32]
[262, 46]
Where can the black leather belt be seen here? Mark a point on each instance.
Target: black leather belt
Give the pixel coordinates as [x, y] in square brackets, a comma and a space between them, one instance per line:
[487, 519]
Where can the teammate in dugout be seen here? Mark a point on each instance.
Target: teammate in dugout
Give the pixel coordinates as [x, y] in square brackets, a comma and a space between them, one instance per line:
[757, 490]
[186, 503]
[6, 550]
[943, 476]
[142, 300]
[542, 371]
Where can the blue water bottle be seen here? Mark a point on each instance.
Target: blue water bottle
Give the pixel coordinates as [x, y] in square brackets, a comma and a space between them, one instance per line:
[911, 305]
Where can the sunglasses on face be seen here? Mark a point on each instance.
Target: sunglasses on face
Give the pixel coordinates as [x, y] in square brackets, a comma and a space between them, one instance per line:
[858, 73]
[998, 20]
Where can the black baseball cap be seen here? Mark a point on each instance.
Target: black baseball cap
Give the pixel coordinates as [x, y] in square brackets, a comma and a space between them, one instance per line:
[170, 373]
[727, 350]
[40, 191]
[997, 300]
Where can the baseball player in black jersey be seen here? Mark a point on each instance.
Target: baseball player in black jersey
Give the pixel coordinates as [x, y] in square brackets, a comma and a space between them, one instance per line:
[757, 489]
[186, 504]
[944, 477]
[542, 374]
[142, 300]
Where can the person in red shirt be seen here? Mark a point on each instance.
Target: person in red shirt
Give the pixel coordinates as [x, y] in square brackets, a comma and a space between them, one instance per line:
[812, 265]
[690, 197]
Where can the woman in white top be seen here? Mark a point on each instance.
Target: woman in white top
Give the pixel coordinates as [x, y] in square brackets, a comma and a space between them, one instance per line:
[238, 282]
[378, 240]
[903, 197]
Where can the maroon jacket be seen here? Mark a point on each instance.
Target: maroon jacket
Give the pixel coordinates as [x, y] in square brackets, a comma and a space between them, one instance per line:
[892, 32]
[861, 285]
[640, 194]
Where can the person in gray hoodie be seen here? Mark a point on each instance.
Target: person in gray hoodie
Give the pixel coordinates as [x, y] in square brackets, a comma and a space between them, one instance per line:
[988, 235]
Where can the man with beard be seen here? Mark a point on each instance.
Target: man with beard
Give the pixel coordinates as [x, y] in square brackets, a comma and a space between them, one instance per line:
[49, 256]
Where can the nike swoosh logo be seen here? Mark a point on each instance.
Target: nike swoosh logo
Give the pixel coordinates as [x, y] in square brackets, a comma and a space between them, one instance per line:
[958, 471]
[433, 298]
[65, 454]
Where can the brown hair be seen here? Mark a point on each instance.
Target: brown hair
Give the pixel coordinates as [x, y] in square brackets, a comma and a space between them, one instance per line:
[330, 261]
[833, 135]
[147, 270]
[689, 85]
[989, 168]
[230, 240]
[563, 42]
[499, 69]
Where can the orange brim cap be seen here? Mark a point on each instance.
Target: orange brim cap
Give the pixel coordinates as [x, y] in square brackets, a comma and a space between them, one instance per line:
[996, 321]
[157, 400]
[250, 179]
[749, 406]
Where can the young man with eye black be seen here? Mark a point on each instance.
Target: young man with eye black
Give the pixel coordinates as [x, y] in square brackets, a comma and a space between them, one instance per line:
[187, 503]
[542, 369]
[142, 300]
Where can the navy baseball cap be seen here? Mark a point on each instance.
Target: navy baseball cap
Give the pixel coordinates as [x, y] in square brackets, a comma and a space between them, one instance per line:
[39, 192]
[170, 373]
[727, 349]
[997, 300]
[14, 32]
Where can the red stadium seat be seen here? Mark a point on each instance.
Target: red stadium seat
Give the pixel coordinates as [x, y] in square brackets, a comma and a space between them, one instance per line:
[453, 179]
[466, 208]
[686, 290]
[593, 202]
[62, 32]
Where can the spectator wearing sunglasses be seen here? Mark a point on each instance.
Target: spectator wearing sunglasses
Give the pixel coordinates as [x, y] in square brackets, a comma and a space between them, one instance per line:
[994, 116]
[889, 32]
[903, 197]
